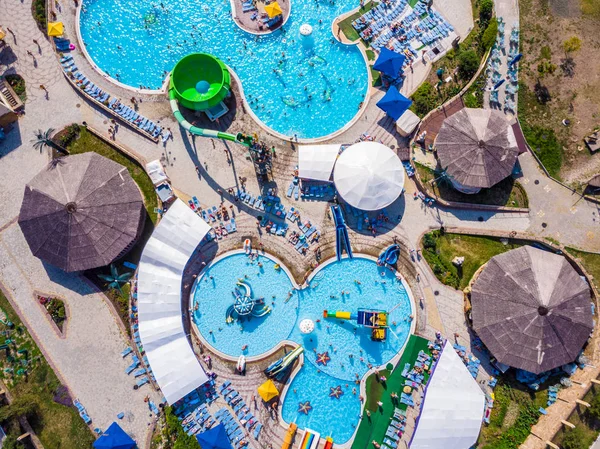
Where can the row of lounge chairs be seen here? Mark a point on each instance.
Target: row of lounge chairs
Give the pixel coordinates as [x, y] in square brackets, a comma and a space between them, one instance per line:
[198, 421]
[96, 94]
[82, 411]
[395, 430]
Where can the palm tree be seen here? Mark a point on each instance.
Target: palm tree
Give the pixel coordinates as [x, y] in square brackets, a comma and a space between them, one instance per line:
[442, 177]
[114, 279]
[44, 139]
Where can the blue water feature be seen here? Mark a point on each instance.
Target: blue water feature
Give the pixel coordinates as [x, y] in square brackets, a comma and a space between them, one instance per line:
[345, 285]
[310, 86]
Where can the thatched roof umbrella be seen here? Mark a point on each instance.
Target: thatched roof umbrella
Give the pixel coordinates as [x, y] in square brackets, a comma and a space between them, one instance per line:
[595, 181]
[81, 212]
[477, 148]
[531, 309]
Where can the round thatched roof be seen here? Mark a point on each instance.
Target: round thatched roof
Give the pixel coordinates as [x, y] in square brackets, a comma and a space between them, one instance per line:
[81, 212]
[595, 181]
[531, 309]
[477, 147]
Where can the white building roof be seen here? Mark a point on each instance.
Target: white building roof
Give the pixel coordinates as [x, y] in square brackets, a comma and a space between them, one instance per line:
[369, 176]
[173, 362]
[316, 161]
[453, 407]
[407, 123]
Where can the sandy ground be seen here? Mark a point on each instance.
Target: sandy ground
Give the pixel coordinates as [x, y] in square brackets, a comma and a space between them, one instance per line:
[576, 98]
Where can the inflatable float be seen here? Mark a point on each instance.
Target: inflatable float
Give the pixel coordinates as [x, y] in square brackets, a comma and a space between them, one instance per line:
[248, 246]
[310, 440]
[241, 364]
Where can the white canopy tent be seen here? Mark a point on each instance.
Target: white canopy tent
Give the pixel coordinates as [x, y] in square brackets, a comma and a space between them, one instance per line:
[369, 176]
[156, 171]
[316, 161]
[173, 362]
[453, 407]
[407, 123]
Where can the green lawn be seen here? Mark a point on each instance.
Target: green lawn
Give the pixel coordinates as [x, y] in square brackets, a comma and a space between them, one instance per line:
[346, 24]
[591, 263]
[375, 428]
[507, 192]
[439, 250]
[57, 426]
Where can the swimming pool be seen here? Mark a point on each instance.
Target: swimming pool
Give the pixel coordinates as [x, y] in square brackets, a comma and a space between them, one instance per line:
[309, 86]
[349, 345]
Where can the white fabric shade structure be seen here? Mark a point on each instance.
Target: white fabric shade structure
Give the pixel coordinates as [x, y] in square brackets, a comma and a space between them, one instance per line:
[407, 123]
[316, 161]
[156, 171]
[369, 176]
[172, 360]
[453, 407]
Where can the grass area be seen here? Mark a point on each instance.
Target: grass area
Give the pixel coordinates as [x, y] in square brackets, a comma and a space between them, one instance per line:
[38, 393]
[507, 192]
[591, 263]
[87, 142]
[440, 248]
[346, 24]
[542, 140]
[515, 410]
[375, 427]
[18, 85]
[587, 424]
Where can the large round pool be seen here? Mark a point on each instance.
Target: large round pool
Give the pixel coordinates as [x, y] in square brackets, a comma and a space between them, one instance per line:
[309, 86]
[348, 285]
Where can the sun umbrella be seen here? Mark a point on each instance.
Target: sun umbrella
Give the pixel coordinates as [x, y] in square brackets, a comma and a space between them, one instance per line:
[214, 438]
[268, 391]
[389, 62]
[273, 9]
[394, 103]
[2, 34]
[531, 309]
[55, 29]
[369, 176]
[114, 438]
[307, 326]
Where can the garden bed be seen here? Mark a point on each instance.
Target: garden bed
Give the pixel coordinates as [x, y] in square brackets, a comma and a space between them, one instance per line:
[507, 193]
[56, 310]
[18, 85]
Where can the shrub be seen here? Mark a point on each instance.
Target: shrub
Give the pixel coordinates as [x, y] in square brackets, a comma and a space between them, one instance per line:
[546, 52]
[468, 63]
[38, 10]
[18, 84]
[471, 101]
[486, 9]
[424, 99]
[594, 410]
[572, 44]
[575, 439]
[429, 241]
[489, 36]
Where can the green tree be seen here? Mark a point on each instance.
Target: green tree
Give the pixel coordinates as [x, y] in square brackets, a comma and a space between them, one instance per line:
[489, 36]
[572, 44]
[594, 410]
[486, 9]
[424, 99]
[43, 139]
[468, 63]
[23, 405]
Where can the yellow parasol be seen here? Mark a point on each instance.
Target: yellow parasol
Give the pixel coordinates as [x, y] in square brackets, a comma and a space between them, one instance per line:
[2, 34]
[268, 391]
[273, 9]
[55, 28]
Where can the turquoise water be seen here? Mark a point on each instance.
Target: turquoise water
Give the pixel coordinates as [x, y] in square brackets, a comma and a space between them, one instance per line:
[306, 86]
[378, 289]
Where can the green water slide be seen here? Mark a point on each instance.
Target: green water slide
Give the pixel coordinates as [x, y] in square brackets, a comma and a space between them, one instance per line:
[201, 82]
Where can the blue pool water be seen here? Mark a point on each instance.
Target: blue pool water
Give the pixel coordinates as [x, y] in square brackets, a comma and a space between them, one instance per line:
[378, 289]
[306, 86]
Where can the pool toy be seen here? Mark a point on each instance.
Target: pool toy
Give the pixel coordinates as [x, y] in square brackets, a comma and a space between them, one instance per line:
[248, 246]
[306, 29]
[241, 364]
[200, 82]
[277, 267]
[389, 256]
[328, 443]
[341, 233]
[377, 320]
[244, 304]
[323, 358]
[336, 392]
[289, 436]
[304, 407]
[311, 439]
[280, 366]
[72, 47]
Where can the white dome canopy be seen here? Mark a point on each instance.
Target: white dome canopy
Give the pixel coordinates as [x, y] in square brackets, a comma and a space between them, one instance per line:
[369, 176]
[307, 326]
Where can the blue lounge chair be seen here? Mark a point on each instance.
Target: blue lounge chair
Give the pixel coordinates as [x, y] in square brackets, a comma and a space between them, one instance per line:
[257, 430]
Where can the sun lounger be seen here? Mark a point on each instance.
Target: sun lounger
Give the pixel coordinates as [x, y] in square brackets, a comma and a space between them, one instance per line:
[143, 381]
[257, 430]
[390, 443]
[391, 433]
[126, 352]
